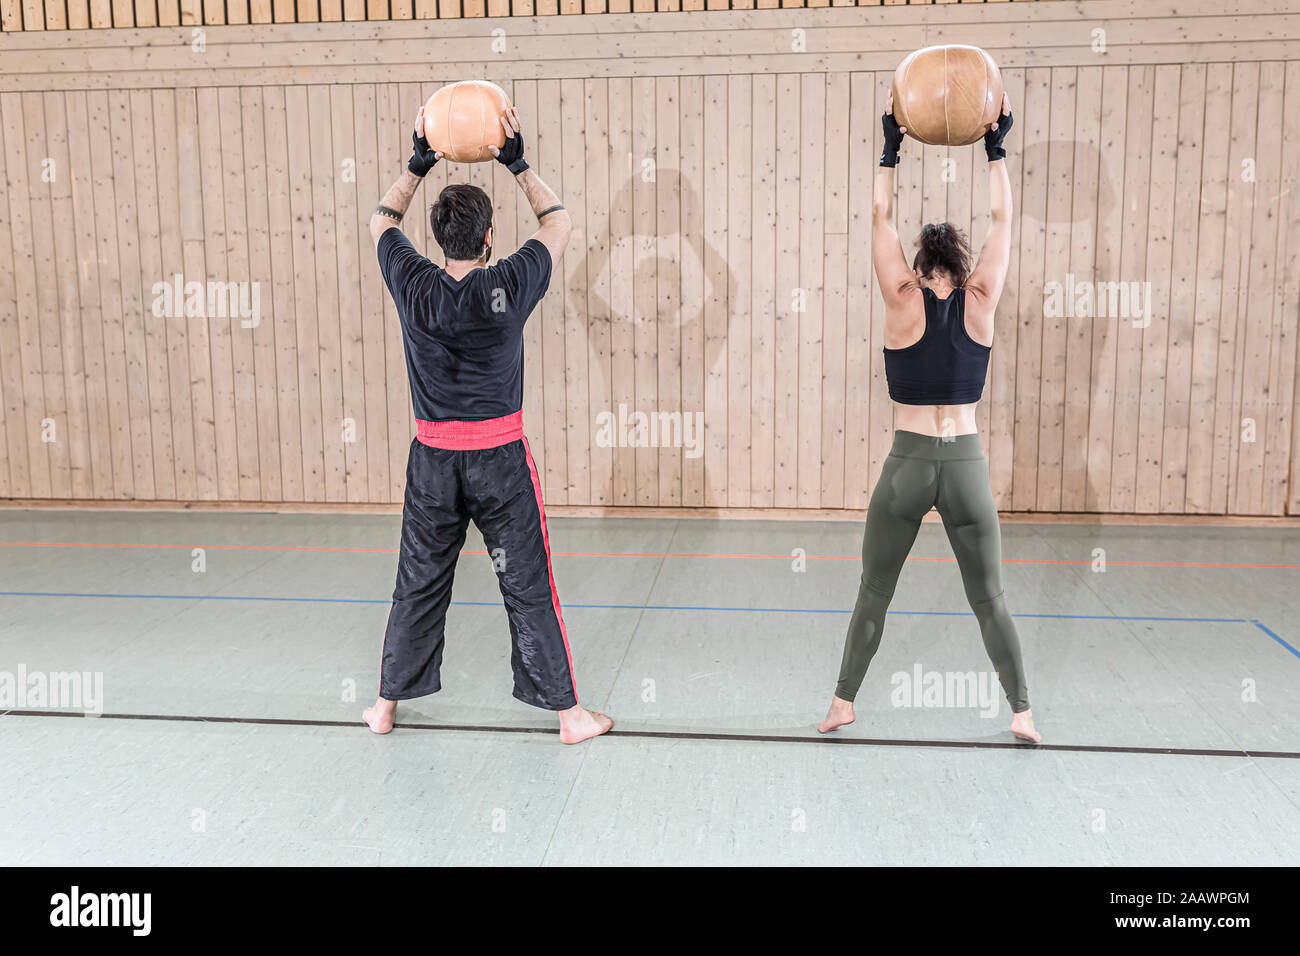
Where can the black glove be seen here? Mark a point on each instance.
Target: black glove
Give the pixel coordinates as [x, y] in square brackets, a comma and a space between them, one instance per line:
[424, 158]
[994, 137]
[511, 155]
[893, 140]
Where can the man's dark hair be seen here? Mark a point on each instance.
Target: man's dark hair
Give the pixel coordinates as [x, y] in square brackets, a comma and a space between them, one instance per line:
[460, 219]
[942, 248]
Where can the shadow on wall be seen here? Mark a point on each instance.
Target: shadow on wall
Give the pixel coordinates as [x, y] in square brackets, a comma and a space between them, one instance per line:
[639, 286]
[1087, 437]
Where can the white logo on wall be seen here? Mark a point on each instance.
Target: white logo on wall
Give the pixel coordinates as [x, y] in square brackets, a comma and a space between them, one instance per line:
[208, 300]
[651, 430]
[75, 908]
[1089, 300]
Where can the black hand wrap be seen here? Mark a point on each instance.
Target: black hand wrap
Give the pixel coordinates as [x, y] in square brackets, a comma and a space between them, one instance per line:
[994, 137]
[424, 157]
[511, 155]
[893, 140]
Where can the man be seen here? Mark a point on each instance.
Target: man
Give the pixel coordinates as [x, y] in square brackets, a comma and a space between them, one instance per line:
[463, 331]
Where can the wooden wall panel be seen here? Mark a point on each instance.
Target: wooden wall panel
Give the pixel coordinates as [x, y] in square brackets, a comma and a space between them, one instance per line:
[73, 14]
[720, 265]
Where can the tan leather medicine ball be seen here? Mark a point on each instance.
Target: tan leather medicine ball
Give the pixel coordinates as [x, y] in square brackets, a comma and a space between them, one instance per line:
[947, 95]
[462, 120]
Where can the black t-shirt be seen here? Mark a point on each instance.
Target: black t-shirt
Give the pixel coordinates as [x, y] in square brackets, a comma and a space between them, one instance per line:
[464, 340]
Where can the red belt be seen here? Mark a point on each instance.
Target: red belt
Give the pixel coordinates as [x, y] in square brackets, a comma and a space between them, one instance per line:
[469, 436]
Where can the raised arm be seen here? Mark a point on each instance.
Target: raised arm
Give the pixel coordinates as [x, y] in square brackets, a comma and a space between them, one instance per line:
[555, 222]
[892, 272]
[984, 286]
[388, 214]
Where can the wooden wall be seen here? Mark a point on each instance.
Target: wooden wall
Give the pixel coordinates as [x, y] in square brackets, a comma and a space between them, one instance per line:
[715, 180]
[104, 14]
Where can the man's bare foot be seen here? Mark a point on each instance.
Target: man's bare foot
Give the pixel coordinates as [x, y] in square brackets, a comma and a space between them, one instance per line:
[380, 715]
[1022, 725]
[578, 724]
[840, 715]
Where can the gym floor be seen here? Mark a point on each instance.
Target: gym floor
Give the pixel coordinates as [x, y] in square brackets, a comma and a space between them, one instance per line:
[1167, 687]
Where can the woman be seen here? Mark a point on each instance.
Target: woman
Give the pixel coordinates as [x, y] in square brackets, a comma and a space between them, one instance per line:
[938, 333]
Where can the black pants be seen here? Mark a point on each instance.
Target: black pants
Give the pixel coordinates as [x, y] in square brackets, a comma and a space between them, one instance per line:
[499, 490]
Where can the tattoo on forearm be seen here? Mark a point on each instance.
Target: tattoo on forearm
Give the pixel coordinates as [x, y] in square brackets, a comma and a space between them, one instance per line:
[546, 212]
[393, 214]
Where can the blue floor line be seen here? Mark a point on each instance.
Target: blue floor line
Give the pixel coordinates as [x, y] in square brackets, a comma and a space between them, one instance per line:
[1276, 637]
[647, 607]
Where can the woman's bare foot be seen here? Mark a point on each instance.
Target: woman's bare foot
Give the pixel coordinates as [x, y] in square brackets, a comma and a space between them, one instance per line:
[380, 715]
[578, 724]
[1022, 725]
[840, 715]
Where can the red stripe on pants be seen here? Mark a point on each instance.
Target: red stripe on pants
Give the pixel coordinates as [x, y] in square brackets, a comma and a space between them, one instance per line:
[546, 542]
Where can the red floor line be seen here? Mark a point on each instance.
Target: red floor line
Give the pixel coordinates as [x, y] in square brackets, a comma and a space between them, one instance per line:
[634, 554]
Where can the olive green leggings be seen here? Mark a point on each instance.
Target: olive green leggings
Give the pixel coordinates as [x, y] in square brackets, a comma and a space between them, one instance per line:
[924, 472]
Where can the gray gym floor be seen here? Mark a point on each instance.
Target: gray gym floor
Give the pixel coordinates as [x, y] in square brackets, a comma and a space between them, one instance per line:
[1167, 688]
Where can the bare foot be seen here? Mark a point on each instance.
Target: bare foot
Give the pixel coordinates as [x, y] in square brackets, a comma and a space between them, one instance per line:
[840, 715]
[578, 724]
[380, 715]
[1022, 725]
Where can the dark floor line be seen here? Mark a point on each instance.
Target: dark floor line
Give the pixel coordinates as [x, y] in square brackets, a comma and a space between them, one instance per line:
[683, 735]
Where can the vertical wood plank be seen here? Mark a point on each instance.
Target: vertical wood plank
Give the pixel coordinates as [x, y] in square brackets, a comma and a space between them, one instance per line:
[174, 363]
[391, 142]
[125, 166]
[351, 225]
[644, 283]
[1109, 263]
[835, 279]
[1083, 240]
[306, 310]
[235, 256]
[668, 285]
[1033, 242]
[1237, 277]
[1258, 381]
[21, 167]
[194, 256]
[599, 314]
[63, 268]
[763, 259]
[16, 472]
[717, 291]
[106, 242]
[571, 185]
[1287, 309]
[739, 276]
[372, 291]
[1133, 268]
[1056, 268]
[623, 170]
[1213, 195]
[550, 314]
[266, 418]
[1182, 295]
[1159, 273]
[217, 262]
[786, 337]
[288, 425]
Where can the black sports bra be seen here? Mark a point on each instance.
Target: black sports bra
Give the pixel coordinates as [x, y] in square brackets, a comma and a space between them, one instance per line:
[947, 366]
